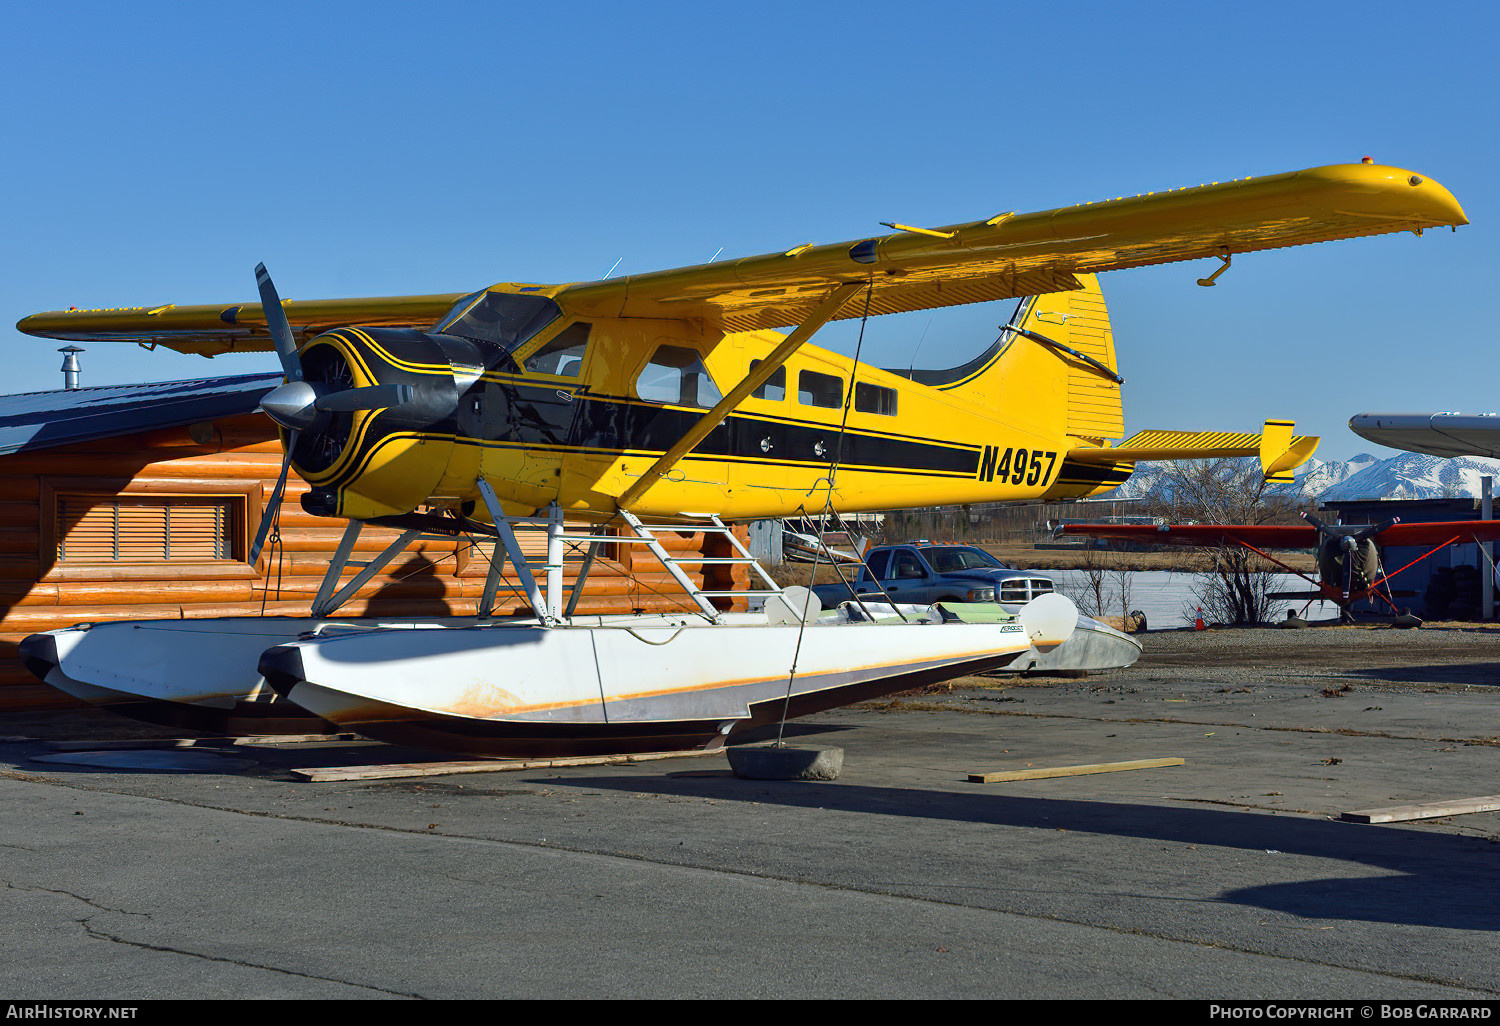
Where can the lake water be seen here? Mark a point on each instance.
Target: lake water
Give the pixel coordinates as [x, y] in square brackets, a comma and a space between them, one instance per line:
[1167, 599]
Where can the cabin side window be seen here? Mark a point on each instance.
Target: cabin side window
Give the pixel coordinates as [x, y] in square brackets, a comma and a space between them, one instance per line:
[903, 565]
[775, 386]
[676, 375]
[814, 389]
[563, 355]
[874, 399]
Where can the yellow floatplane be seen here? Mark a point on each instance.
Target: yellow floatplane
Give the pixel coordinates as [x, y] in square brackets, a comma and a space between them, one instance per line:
[639, 402]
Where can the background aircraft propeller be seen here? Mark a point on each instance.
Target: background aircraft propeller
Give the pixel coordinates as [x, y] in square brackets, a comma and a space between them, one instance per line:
[1345, 552]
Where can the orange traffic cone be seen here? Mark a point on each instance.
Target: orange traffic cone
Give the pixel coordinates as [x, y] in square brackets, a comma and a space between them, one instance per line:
[1198, 623]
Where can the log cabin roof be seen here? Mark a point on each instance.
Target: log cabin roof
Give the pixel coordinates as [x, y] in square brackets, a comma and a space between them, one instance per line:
[41, 420]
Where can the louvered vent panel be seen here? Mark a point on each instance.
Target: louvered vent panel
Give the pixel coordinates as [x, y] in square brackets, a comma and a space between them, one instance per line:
[150, 529]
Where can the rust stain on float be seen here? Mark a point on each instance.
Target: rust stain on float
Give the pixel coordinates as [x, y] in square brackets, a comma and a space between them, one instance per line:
[483, 700]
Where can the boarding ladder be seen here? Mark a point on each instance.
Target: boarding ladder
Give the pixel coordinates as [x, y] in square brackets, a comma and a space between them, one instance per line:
[549, 606]
[548, 603]
[647, 534]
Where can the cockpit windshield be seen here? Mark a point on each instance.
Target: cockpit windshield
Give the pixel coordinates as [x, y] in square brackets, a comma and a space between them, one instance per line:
[947, 558]
[504, 318]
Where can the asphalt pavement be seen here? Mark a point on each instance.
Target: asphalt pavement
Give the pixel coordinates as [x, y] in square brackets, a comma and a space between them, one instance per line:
[1228, 877]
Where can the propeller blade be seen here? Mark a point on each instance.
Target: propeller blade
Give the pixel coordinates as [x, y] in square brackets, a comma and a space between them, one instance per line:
[276, 322]
[371, 397]
[273, 507]
[1315, 522]
[1371, 532]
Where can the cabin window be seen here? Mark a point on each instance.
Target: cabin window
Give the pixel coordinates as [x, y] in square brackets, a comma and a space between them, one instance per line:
[504, 318]
[874, 399]
[877, 563]
[775, 386]
[145, 529]
[814, 389]
[563, 355]
[676, 375]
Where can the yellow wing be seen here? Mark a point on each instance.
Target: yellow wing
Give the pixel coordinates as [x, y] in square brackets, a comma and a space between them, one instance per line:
[1030, 254]
[1001, 257]
[233, 327]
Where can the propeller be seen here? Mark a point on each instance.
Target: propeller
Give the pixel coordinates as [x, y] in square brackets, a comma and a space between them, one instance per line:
[298, 405]
[1350, 545]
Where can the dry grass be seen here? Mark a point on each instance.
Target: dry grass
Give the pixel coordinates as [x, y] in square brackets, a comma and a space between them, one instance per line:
[1025, 556]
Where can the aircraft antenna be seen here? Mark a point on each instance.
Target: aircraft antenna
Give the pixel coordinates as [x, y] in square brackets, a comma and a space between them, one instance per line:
[611, 268]
[912, 367]
[716, 254]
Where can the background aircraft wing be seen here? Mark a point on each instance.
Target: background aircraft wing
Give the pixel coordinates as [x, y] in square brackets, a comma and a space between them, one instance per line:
[1028, 254]
[1274, 536]
[1278, 536]
[1438, 434]
[1436, 534]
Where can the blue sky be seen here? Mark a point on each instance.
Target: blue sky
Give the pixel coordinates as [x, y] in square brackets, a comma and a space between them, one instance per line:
[157, 151]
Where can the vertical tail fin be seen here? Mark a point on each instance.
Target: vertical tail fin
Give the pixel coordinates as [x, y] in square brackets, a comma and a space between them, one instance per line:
[1059, 390]
[1080, 321]
[1281, 453]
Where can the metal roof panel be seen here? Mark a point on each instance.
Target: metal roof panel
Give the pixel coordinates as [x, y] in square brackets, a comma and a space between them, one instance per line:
[42, 420]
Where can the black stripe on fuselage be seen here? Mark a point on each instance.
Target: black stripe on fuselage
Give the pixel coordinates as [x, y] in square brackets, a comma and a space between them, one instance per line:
[505, 413]
[502, 409]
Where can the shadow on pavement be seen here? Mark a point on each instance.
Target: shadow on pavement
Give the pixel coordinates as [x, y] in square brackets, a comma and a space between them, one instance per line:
[1446, 881]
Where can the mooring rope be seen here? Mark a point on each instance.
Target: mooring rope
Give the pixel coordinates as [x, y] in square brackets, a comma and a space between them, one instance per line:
[832, 479]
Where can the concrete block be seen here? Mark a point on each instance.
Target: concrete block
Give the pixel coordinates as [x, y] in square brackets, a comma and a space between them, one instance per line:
[768, 761]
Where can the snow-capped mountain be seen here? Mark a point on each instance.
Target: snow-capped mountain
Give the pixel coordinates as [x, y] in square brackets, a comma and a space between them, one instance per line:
[1412, 475]
[1315, 477]
[1405, 476]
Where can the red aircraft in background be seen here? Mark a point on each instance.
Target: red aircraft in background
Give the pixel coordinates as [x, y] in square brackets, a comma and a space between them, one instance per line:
[1348, 555]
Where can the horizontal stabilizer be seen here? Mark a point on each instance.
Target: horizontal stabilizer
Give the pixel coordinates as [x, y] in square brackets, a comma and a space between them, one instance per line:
[1280, 452]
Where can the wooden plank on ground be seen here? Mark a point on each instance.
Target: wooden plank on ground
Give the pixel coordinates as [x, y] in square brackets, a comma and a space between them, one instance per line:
[289, 739]
[432, 769]
[1427, 810]
[118, 744]
[122, 744]
[1041, 772]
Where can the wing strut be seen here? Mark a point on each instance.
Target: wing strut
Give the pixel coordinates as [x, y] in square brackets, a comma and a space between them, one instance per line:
[757, 377]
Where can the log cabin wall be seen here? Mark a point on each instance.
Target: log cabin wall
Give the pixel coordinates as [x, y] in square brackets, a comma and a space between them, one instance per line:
[157, 525]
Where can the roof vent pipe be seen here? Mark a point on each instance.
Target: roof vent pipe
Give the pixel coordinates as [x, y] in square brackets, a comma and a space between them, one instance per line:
[70, 366]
